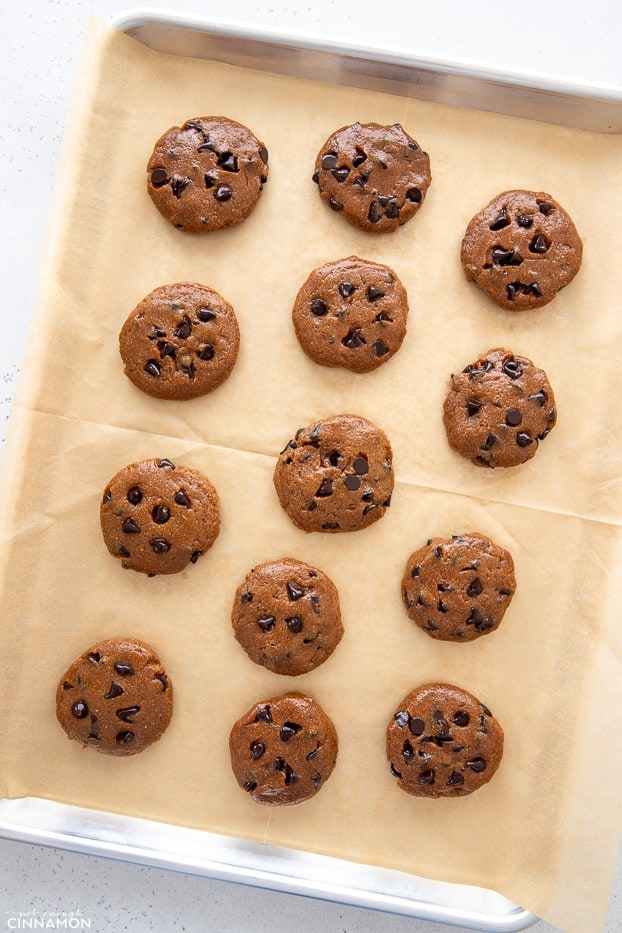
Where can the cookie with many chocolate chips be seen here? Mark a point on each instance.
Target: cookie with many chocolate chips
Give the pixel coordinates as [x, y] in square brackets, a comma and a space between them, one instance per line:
[181, 341]
[521, 249]
[116, 698]
[498, 409]
[376, 176]
[351, 313]
[207, 174]
[157, 517]
[286, 616]
[458, 588]
[442, 742]
[336, 475]
[283, 750]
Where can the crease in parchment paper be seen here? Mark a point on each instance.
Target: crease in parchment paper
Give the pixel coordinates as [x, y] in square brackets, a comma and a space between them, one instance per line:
[546, 829]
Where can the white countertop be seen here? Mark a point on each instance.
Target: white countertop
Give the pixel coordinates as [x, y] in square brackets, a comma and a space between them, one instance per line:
[39, 46]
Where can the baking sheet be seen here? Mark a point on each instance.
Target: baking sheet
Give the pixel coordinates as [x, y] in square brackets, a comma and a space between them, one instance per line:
[545, 831]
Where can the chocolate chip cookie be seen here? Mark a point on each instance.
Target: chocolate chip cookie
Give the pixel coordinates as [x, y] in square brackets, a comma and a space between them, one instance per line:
[283, 750]
[521, 249]
[181, 341]
[498, 409]
[351, 313]
[157, 517]
[376, 176]
[207, 174]
[116, 698]
[458, 588]
[442, 742]
[286, 616]
[336, 475]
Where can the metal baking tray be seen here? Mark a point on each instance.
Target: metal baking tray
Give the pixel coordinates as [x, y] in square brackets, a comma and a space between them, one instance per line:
[225, 858]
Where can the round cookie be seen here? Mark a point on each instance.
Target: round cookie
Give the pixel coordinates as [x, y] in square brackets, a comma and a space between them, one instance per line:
[336, 475]
[283, 750]
[442, 742]
[458, 588]
[498, 409]
[207, 174]
[351, 313]
[286, 616]
[179, 342]
[156, 517]
[116, 698]
[377, 176]
[521, 249]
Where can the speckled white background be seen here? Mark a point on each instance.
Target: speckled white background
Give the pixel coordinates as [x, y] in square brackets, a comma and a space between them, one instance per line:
[39, 44]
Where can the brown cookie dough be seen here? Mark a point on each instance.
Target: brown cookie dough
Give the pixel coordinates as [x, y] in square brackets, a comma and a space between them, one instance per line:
[207, 174]
[498, 409]
[458, 588]
[351, 313]
[521, 249]
[286, 616]
[157, 517]
[442, 742]
[283, 750]
[377, 176]
[180, 342]
[116, 698]
[336, 475]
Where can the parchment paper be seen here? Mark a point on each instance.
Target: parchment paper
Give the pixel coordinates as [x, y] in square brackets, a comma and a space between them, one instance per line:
[545, 831]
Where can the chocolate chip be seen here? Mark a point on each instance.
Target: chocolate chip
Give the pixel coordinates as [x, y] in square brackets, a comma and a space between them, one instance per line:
[266, 623]
[127, 713]
[506, 257]
[195, 556]
[427, 777]
[512, 369]
[476, 764]
[294, 624]
[335, 204]
[346, 289]
[408, 752]
[490, 442]
[545, 208]
[263, 154]
[179, 185]
[461, 718]
[163, 680]
[442, 607]
[160, 545]
[334, 457]
[352, 482]
[159, 177]
[130, 527]
[183, 330]
[134, 495]
[294, 592]
[540, 397]
[182, 499]
[374, 293]
[373, 214]
[94, 730]
[257, 749]
[124, 669]
[107, 497]
[152, 368]
[313, 754]
[538, 244]
[166, 349]
[473, 406]
[210, 180]
[416, 725]
[475, 588]
[223, 193]
[329, 161]
[379, 348]
[523, 439]
[361, 465]
[319, 307]
[392, 211]
[414, 573]
[354, 339]
[228, 162]
[359, 158]
[290, 776]
[80, 710]
[502, 220]
[329, 526]
[316, 780]
[115, 690]
[325, 489]
[513, 417]
[288, 730]
[340, 174]
[402, 718]
[394, 771]
[523, 220]
[315, 178]
[454, 779]
[370, 508]
[123, 552]
[264, 714]
[161, 514]
[250, 786]
[165, 464]
[475, 618]
[414, 195]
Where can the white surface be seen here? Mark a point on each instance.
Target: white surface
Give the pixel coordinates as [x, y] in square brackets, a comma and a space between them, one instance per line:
[39, 43]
